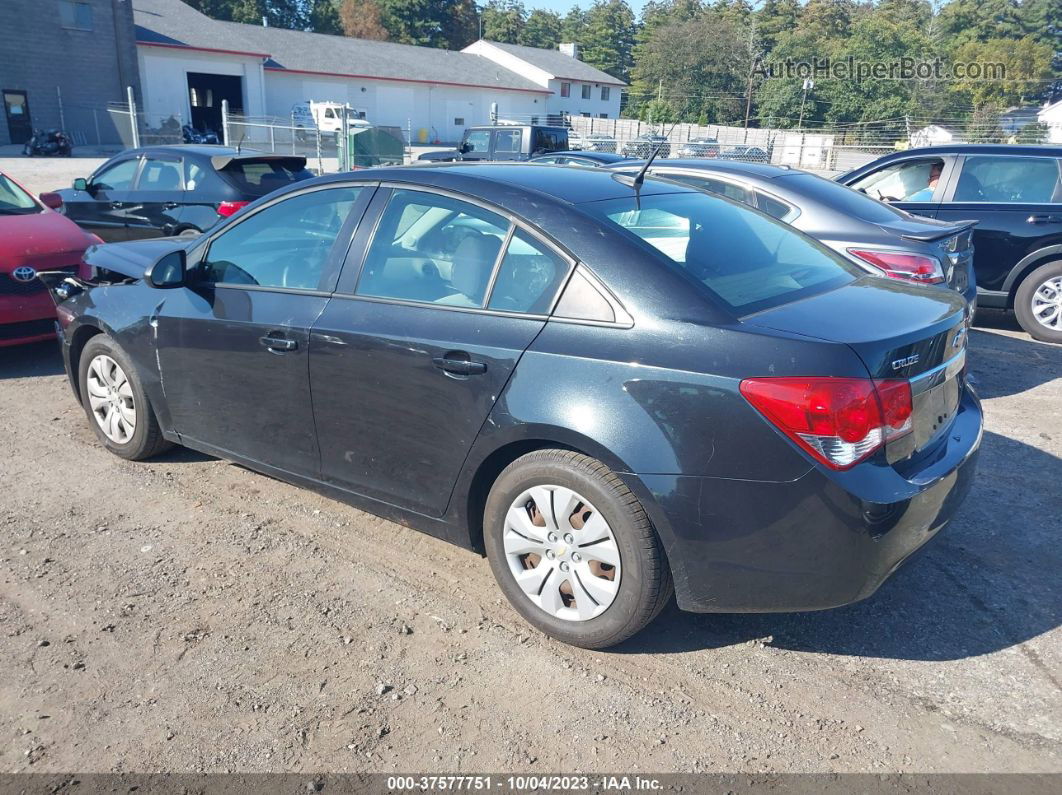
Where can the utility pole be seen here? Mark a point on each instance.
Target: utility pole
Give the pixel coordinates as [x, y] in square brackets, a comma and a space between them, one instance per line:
[752, 67]
[808, 85]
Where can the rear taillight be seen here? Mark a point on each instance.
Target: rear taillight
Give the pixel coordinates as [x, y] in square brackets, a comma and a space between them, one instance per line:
[840, 421]
[897, 265]
[225, 209]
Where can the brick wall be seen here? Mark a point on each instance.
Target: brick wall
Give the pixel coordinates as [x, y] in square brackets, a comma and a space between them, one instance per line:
[88, 67]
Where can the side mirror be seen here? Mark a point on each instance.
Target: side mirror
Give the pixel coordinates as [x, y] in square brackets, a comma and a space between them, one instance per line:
[466, 147]
[53, 200]
[80, 184]
[168, 272]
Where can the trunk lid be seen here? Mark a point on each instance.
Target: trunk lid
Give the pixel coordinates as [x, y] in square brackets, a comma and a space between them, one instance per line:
[899, 331]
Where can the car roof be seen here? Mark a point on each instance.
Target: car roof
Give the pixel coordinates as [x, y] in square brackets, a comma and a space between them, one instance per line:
[980, 149]
[761, 170]
[203, 150]
[571, 184]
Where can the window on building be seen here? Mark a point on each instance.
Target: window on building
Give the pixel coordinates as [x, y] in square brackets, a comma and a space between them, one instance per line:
[586, 91]
[602, 115]
[605, 92]
[566, 89]
[77, 16]
[459, 122]
[585, 115]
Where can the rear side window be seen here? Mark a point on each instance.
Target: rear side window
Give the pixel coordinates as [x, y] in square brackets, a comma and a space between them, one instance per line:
[772, 207]
[1027, 180]
[507, 142]
[549, 141]
[259, 177]
[723, 188]
[746, 259]
[528, 278]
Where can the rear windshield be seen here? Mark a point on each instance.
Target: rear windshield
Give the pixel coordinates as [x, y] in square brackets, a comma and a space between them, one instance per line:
[743, 257]
[14, 200]
[843, 199]
[259, 177]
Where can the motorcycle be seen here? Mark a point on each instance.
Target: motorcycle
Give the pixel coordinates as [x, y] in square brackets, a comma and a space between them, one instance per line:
[48, 143]
[193, 136]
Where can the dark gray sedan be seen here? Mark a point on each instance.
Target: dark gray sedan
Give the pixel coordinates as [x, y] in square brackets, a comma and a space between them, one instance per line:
[881, 239]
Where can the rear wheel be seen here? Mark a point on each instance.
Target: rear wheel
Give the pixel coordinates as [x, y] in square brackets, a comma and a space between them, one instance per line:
[114, 400]
[573, 550]
[1038, 303]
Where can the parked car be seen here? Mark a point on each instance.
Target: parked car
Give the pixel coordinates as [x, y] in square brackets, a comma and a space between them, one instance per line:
[160, 191]
[645, 145]
[879, 238]
[698, 147]
[608, 387]
[503, 142]
[33, 237]
[599, 142]
[1014, 193]
[584, 158]
[750, 154]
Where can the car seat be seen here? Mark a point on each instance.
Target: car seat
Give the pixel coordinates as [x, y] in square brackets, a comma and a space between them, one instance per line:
[472, 265]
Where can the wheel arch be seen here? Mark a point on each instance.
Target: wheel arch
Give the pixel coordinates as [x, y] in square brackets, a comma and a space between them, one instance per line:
[78, 340]
[1027, 265]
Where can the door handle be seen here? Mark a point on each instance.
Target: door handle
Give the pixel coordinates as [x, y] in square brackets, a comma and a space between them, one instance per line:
[117, 205]
[1044, 219]
[459, 364]
[278, 344]
[171, 205]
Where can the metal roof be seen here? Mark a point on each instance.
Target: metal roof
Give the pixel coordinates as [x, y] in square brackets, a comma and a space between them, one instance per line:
[171, 23]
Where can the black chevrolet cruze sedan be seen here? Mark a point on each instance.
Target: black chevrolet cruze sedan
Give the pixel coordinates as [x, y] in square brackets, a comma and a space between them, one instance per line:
[613, 388]
[159, 191]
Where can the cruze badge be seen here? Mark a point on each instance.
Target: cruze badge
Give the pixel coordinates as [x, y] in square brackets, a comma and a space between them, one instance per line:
[907, 361]
[24, 273]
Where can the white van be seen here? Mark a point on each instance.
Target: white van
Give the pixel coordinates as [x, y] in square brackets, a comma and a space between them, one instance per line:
[327, 117]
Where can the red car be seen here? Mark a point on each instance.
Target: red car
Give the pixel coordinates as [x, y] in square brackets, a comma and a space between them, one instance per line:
[33, 237]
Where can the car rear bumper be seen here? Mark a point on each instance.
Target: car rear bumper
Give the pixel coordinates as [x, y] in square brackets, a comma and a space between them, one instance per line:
[820, 541]
[24, 319]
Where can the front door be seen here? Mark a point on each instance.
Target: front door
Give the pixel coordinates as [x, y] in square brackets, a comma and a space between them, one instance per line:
[102, 208]
[233, 345]
[1017, 202]
[915, 184]
[156, 201]
[19, 124]
[408, 359]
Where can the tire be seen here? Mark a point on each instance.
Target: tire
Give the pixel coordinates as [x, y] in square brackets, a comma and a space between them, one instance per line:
[123, 384]
[628, 595]
[1044, 286]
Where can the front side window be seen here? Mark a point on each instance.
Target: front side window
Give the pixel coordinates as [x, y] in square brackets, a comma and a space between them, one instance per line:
[566, 89]
[478, 141]
[285, 245]
[164, 175]
[507, 142]
[910, 181]
[528, 278]
[433, 249]
[1025, 180]
[117, 177]
[744, 258]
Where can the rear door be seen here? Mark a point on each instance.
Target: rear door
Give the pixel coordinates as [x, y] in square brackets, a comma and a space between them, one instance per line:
[103, 208]
[409, 356]
[233, 345]
[155, 202]
[505, 144]
[1017, 201]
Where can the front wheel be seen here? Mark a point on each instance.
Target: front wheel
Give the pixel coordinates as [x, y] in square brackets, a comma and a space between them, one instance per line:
[114, 400]
[1038, 303]
[573, 550]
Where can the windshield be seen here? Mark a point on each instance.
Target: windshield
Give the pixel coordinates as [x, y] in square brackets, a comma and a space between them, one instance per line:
[14, 200]
[843, 199]
[745, 258]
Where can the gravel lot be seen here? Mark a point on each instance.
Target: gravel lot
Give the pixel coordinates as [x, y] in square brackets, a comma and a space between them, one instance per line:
[189, 615]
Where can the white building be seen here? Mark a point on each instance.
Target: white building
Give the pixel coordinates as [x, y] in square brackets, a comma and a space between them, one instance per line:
[1051, 116]
[189, 63]
[576, 88]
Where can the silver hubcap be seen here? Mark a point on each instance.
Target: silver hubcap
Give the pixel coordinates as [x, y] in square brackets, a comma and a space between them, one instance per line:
[562, 553]
[1047, 304]
[111, 398]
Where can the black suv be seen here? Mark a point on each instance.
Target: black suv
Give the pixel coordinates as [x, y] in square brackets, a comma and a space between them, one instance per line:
[503, 142]
[1015, 195]
[159, 191]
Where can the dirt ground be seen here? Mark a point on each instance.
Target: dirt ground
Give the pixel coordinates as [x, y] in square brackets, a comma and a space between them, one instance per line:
[189, 615]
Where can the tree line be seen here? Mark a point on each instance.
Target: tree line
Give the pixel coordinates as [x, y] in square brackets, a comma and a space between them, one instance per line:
[710, 61]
